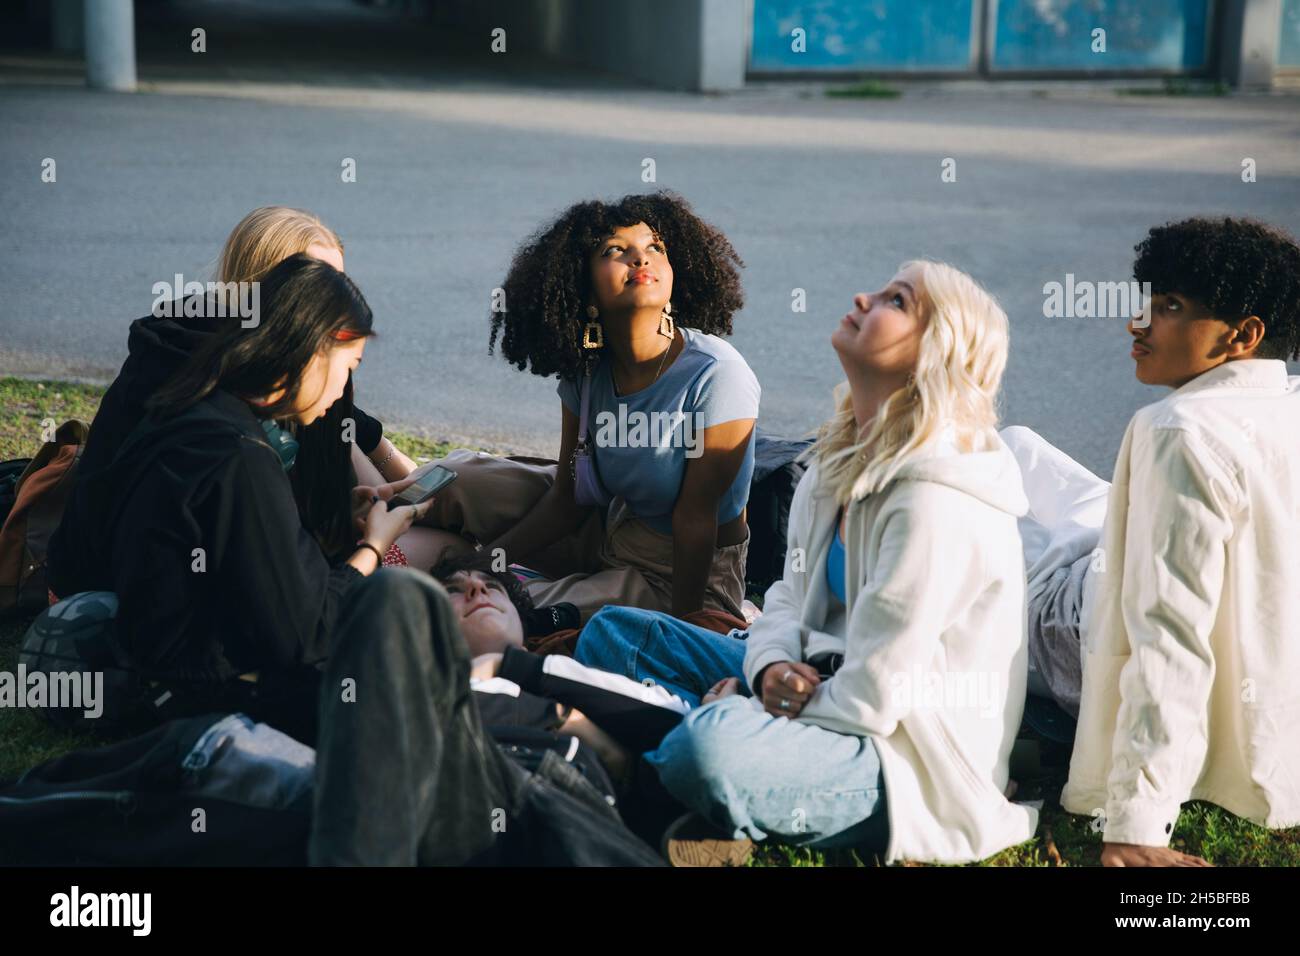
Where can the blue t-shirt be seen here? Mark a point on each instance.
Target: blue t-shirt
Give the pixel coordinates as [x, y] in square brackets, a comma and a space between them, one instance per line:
[643, 441]
[835, 565]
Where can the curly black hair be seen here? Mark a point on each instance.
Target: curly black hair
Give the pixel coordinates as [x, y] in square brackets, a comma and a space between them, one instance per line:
[547, 288]
[481, 561]
[1235, 267]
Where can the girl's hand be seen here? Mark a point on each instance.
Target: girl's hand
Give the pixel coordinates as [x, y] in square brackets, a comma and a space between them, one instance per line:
[723, 688]
[388, 489]
[786, 687]
[383, 527]
[363, 496]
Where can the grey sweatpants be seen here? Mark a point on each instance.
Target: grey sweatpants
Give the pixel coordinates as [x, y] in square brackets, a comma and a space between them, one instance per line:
[1055, 645]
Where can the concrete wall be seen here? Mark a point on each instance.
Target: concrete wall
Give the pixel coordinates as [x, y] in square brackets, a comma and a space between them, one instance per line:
[679, 44]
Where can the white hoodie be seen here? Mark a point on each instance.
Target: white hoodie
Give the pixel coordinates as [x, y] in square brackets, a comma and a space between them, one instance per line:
[934, 641]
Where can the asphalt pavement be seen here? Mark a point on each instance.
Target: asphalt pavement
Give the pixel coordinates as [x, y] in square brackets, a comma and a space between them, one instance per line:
[460, 156]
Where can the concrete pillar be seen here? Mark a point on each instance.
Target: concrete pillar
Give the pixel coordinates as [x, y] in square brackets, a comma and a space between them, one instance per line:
[67, 26]
[110, 45]
[1248, 43]
[724, 52]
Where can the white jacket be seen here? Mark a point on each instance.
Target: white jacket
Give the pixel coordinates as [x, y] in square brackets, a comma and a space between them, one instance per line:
[1191, 678]
[934, 638]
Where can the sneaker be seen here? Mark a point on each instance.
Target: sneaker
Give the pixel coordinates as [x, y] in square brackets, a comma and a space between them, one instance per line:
[691, 840]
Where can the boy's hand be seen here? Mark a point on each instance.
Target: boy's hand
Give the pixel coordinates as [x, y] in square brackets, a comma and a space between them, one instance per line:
[1130, 854]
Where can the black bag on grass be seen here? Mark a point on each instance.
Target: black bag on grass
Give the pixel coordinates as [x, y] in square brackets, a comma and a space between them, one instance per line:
[213, 790]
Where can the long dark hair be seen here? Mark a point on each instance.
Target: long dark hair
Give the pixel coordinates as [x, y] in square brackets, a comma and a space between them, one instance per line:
[322, 478]
[304, 305]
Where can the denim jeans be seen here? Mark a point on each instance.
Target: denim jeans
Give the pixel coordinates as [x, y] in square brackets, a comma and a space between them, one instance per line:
[761, 776]
[406, 773]
[650, 646]
[744, 770]
[242, 761]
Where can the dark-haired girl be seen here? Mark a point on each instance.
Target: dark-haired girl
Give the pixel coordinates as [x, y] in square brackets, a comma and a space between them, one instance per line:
[327, 465]
[225, 600]
[626, 303]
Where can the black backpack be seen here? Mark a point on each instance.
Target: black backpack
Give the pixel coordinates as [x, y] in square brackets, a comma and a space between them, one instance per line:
[776, 473]
[10, 472]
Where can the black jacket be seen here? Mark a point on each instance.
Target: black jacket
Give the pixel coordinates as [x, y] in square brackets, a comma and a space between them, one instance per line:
[258, 596]
[157, 347]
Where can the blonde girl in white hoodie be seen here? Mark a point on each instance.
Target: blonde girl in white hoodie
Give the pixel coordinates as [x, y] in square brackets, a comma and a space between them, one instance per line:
[888, 668]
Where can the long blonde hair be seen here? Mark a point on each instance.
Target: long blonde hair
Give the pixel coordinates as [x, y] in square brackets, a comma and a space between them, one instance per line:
[963, 352]
[267, 236]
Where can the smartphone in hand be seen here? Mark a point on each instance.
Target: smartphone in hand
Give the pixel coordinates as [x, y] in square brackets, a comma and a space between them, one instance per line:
[423, 488]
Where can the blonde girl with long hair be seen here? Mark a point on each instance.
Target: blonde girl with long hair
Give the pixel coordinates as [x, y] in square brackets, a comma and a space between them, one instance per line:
[270, 234]
[325, 468]
[325, 487]
[876, 699]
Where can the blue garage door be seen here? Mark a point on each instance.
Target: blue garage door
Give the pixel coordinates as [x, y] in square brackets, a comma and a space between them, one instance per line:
[893, 35]
[1061, 35]
[945, 36]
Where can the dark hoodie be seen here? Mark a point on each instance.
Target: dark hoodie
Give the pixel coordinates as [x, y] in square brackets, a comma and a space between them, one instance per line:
[194, 526]
[157, 347]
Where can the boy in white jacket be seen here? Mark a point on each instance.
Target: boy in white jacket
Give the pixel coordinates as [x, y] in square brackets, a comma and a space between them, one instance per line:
[888, 667]
[1191, 617]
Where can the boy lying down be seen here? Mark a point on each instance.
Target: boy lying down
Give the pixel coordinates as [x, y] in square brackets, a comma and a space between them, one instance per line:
[618, 718]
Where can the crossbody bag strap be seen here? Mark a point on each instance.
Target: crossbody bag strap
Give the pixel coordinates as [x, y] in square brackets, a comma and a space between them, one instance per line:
[584, 404]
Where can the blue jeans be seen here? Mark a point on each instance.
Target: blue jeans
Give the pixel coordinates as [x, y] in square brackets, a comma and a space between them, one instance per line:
[746, 771]
[761, 776]
[684, 659]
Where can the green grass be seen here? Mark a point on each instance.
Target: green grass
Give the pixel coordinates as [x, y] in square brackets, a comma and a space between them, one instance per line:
[1062, 839]
[26, 404]
[1065, 839]
[1180, 86]
[865, 90]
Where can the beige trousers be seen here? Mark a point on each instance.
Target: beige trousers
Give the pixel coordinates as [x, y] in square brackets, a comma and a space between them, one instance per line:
[612, 558]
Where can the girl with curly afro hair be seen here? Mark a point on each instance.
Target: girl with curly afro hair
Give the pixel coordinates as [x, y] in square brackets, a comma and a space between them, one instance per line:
[625, 302]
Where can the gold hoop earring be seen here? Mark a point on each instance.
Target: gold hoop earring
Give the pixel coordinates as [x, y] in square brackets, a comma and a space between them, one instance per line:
[593, 336]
